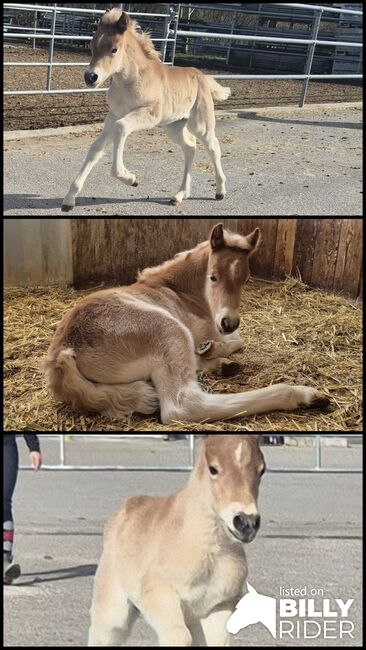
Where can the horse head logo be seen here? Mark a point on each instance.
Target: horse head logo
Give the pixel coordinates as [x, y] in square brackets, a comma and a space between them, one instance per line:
[252, 609]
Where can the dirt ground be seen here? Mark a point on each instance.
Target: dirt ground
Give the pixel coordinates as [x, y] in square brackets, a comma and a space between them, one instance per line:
[43, 111]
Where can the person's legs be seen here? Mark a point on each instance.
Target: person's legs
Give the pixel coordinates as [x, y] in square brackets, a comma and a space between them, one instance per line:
[11, 461]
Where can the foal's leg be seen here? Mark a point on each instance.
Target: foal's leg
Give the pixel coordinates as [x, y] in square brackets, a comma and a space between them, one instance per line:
[138, 120]
[95, 152]
[162, 609]
[112, 614]
[214, 627]
[179, 133]
[202, 124]
[212, 145]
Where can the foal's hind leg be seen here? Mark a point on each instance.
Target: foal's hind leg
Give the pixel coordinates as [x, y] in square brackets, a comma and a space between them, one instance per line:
[179, 133]
[95, 152]
[211, 143]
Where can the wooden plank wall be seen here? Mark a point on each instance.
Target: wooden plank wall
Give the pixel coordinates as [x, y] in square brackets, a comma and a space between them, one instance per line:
[114, 249]
[325, 253]
[37, 252]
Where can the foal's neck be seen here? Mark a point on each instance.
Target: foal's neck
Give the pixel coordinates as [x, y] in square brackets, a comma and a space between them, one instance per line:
[188, 272]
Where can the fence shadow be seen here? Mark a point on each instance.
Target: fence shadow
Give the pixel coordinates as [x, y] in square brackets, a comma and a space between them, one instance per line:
[261, 118]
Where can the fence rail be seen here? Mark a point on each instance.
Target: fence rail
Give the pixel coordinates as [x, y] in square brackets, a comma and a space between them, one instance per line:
[172, 32]
[318, 467]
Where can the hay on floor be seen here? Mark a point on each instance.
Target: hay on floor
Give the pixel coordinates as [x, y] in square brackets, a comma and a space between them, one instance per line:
[291, 333]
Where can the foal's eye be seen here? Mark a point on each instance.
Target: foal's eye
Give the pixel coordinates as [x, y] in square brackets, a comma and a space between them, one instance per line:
[114, 50]
[213, 470]
[213, 278]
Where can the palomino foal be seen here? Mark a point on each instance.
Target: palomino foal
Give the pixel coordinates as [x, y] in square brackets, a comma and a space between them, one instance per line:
[145, 93]
[180, 560]
[132, 348]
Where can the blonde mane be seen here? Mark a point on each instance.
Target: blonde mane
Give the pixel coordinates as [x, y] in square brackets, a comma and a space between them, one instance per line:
[145, 41]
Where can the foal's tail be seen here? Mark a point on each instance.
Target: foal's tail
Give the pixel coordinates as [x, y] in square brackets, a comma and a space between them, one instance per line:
[69, 385]
[220, 93]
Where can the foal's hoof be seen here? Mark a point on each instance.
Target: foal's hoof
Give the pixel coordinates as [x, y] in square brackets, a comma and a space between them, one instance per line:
[67, 208]
[220, 197]
[135, 183]
[174, 202]
[230, 369]
[204, 347]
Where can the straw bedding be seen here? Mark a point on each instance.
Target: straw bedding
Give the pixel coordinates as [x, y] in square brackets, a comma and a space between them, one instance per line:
[291, 333]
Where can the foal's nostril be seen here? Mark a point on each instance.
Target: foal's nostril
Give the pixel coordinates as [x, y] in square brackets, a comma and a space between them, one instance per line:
[228, 326]
[256, 521]
[247, 523]
[90, 78]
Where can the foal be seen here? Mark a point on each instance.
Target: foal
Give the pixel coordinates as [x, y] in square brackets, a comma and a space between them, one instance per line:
[180, 560]
[132, 348]
[145, 93]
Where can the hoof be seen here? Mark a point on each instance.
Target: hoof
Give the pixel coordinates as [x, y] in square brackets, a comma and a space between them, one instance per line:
[220, 197]
[135, 183]
[174, 202]
[67, 208]
[204, 347]
[230, 369]
[320, 402]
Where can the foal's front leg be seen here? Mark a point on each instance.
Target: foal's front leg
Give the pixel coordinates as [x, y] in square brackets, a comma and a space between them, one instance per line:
[95, 152]
[138, 120]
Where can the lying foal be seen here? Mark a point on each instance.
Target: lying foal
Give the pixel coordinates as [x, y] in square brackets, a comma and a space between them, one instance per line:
[133, 348]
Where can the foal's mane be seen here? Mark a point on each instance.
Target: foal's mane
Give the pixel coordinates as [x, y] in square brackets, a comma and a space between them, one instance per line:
[134, 28]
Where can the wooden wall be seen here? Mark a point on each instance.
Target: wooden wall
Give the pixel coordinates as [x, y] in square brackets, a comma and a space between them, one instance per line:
[114, 249]
[37, 252]
[325, 253]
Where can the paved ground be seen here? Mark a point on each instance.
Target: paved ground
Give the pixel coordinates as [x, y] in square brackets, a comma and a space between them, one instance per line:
[311, 537]
[279, 162]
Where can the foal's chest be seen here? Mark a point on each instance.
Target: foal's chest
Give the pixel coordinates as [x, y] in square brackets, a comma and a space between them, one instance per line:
[220, 580]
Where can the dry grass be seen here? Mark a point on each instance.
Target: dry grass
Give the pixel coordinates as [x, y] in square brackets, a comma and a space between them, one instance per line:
[291, 333]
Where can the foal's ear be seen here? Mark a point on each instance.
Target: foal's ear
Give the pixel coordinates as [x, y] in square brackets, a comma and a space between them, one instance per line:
[217, 237]
[123, 22]
[254, 240]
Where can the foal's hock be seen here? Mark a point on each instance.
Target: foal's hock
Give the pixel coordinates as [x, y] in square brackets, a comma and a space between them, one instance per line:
[145, 93]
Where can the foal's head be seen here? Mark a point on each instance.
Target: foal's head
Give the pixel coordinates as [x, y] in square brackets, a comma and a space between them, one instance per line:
[228, 272]
[234, 465]
[117, 35]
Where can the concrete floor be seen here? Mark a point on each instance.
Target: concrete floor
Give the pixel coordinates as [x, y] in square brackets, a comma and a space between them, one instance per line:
[311, 537]
[278, 162]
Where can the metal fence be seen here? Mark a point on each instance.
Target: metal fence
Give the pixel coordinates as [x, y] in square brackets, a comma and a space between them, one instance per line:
[311, 42]
[318, 468]
[172, 32]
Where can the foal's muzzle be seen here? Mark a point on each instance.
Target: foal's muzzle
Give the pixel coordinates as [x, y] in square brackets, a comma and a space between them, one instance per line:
[246, 527]
[229, 325]
[90, 78]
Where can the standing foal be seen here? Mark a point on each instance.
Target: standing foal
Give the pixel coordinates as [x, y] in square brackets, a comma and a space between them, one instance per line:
[180, 560]
[145, 93]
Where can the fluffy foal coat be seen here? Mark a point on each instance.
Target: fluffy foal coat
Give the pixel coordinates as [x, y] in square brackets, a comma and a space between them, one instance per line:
[180, 560]
[145, 93]
[134, 348]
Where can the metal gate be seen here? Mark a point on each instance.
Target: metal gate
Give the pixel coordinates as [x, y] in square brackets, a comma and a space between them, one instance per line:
[318, 468]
